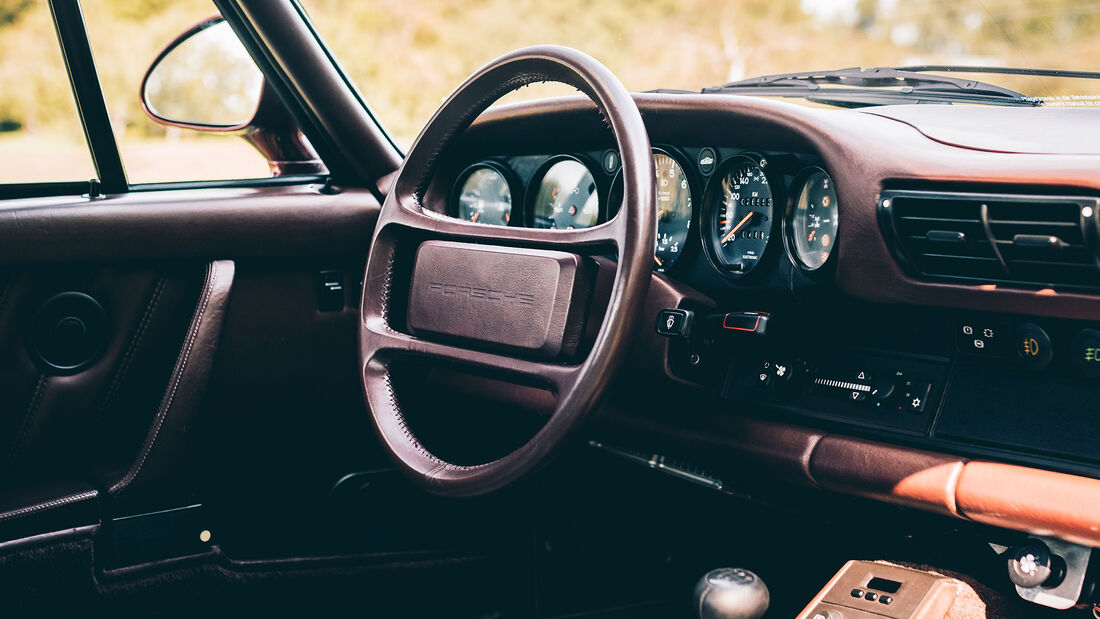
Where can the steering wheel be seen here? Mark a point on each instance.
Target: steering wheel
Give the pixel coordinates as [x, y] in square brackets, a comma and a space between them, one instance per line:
[502, 301]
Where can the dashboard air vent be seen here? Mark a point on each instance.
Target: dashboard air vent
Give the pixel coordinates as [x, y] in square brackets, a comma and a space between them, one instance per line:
[1021, 240]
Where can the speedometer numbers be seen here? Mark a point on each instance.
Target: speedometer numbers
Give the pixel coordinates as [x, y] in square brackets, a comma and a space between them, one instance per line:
[739, 215]
[673, 210]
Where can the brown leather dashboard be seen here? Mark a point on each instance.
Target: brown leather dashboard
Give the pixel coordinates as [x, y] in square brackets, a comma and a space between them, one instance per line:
[866, 152]
[863, 151]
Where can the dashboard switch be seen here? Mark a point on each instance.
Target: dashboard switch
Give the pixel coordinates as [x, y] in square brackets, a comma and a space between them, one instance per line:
[1086, 352]
[980, 339]
[882, 389]
[1033, 346]
[744, 322]
[915, 397]
[674, 322]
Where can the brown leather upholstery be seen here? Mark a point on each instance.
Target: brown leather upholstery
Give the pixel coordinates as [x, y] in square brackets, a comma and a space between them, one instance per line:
[862, 151]
[64, 433]
[906, 476]
[1040, 502]
[164, 443]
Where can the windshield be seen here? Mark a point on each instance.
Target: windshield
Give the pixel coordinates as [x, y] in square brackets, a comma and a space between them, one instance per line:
[406, 56]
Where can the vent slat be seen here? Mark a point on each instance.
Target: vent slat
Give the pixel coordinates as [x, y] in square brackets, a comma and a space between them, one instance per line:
[943, 237]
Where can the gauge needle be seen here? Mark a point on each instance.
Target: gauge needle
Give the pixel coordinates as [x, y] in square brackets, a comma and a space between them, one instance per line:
[474, 218]
[726, 239]
[659, 263]
[813, 233]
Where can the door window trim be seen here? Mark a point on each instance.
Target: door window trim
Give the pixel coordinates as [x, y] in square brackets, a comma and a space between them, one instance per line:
[95, 120]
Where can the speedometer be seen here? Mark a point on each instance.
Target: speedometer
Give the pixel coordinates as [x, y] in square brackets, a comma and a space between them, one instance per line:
[738, 215]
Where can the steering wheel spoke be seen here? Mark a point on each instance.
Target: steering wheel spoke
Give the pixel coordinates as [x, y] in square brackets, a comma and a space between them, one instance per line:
[387, 343]
[594, 240]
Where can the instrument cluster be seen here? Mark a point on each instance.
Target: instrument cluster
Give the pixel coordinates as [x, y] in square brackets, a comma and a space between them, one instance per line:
[729, 204]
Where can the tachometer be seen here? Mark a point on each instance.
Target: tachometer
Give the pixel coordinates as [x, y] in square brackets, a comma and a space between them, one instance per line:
[738, 216]
[484, 195]
[812, 222]
[566, 196]
[673, 210]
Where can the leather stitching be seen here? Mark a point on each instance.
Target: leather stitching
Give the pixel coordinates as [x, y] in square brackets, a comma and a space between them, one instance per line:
[30, 509]
[192, 335]
[403, 422]
[32, 410]
[467, 116]
[133, 345]
[386, 288]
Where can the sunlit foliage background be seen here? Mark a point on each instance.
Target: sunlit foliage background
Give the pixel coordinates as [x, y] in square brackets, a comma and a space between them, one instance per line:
[406, 55]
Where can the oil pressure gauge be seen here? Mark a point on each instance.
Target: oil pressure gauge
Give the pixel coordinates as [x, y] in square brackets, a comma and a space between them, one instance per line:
[812, 221]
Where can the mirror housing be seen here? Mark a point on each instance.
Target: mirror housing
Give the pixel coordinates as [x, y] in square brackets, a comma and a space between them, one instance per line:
[205, 80]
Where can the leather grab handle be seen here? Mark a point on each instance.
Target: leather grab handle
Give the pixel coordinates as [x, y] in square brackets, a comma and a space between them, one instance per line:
[187, 385]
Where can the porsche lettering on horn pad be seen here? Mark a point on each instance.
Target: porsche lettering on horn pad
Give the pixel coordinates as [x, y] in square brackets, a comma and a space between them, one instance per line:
[524, 299]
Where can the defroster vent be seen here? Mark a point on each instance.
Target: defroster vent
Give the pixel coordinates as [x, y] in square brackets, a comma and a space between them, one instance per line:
[1016, 240]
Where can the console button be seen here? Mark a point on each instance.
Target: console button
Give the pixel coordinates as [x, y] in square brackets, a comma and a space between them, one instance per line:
[863, 375]
[782, 371]
[886, 600]
[857, 396]
[871, 596]
[979, 339]
[764, 378]
[856, 593]
[915, 396]
[674, 322]
[1033, 346]
[1086, 352]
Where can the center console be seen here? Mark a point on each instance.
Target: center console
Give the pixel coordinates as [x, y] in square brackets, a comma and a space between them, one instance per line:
[1015, 388]
[865, 589]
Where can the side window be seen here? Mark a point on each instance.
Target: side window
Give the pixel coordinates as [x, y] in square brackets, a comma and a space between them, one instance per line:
[41, 140]
[126, 38]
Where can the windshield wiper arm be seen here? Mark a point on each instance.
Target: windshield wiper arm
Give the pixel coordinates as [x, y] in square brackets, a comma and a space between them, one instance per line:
[856, 87]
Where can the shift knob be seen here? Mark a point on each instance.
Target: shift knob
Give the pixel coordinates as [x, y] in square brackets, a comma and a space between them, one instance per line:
[731, 593]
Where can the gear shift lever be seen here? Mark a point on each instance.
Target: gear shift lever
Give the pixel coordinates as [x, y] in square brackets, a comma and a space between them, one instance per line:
[731, 593]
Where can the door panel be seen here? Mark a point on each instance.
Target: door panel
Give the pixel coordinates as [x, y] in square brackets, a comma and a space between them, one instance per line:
[64, 434]
[146, 258]
[224, 385]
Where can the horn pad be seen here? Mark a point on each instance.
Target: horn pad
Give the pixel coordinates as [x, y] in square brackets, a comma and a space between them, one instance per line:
[525, 300]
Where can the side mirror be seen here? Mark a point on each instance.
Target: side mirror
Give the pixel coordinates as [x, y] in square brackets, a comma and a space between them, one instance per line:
[205, 80]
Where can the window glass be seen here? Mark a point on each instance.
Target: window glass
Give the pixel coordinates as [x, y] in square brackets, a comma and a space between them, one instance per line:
[126, 37]
[406, 55]
[40, 135]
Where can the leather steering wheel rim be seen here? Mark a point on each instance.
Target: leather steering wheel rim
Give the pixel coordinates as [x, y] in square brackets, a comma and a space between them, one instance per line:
[404, 220]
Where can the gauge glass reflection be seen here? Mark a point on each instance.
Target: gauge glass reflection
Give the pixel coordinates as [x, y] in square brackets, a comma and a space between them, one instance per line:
[739, 223]
[567, 197]
[814, 221]
[673, 210]
[485, 197]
